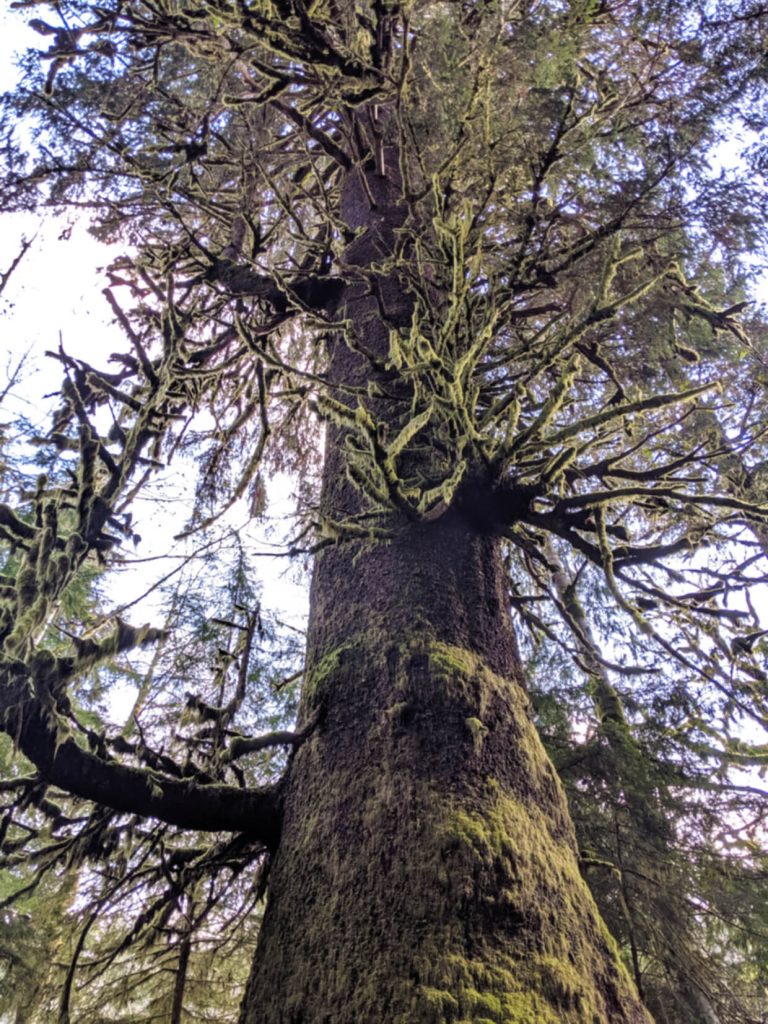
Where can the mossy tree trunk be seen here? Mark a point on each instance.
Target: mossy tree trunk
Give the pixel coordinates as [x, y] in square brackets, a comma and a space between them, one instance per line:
[427, 870]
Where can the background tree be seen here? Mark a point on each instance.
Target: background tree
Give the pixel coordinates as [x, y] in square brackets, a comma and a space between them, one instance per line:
[481, 243]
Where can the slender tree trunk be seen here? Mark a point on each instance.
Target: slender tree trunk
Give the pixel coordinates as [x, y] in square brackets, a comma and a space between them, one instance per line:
[182, 968]
[427, 870]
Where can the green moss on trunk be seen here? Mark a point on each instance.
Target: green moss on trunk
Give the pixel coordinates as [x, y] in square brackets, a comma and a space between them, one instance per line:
[424, 878]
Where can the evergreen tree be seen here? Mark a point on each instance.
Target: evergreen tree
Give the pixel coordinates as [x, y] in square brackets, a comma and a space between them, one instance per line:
[485, 247]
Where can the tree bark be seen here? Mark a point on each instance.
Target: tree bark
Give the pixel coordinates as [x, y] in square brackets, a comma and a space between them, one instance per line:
[182, 969]
[427, 868]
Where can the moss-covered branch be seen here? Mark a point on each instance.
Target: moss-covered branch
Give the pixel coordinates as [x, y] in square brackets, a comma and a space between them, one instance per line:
[62, 762]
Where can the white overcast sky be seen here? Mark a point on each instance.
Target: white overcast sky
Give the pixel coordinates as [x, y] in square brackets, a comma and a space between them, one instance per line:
[56, 293]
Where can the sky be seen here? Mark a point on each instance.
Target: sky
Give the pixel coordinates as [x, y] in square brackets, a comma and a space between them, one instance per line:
[53, 297]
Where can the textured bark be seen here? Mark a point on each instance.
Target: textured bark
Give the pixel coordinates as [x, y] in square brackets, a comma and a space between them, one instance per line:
[427, 868]
[180, 981]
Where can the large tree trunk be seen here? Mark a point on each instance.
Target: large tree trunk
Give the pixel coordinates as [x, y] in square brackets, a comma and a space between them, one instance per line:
[427, 870]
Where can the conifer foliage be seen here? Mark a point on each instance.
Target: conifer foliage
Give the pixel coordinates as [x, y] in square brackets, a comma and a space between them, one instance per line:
[491, 250]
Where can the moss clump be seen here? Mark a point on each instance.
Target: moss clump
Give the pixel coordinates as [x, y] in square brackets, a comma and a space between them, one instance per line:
[449, 660]
[322, 672]
[478, 732]
[482, 1002]
[444, 1002]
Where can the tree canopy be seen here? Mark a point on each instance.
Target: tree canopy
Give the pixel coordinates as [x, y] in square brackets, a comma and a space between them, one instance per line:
[579, 369]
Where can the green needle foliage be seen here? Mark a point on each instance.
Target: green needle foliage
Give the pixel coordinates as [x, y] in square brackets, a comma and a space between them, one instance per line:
[577, 369]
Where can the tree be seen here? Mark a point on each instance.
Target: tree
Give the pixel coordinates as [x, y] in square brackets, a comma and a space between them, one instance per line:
[482, 245]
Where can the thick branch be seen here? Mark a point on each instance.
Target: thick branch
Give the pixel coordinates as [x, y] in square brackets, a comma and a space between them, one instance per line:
[242, 745]
[320, 137]
[186, 804]
[316, 292]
